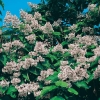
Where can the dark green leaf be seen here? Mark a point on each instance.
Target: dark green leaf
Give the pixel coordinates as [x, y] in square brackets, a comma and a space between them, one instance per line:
[56, 33]
[57, 98]
[26, 76]
[3, 59]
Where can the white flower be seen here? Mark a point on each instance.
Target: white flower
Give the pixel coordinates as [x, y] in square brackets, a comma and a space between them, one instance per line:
[33, 5]
[91, 7]
[47, 28]
[37, 16]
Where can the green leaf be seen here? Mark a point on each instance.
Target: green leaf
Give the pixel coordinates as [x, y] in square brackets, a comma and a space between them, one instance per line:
[11, 91]
[66, 54]
[3, 59]
[46, 64]
[73, 91]
[2, 78]
[95, 62]
[89, 54]
[3, 89]
[43, 19]
[24, 57]
[26, 76]
[90, 78]
[57, 64]
[52, 57]
[92, 47]
[34, 71]
[66, 31]
[2, 4]
[53, 77]
[57, 98]
[39, 66]
[48, 89]
[61, 84]
[64, 43]
[82, 84]
[41, 36]
[56, 33]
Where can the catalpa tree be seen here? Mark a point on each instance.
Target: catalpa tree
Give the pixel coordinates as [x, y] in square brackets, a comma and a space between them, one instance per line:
[51, 52]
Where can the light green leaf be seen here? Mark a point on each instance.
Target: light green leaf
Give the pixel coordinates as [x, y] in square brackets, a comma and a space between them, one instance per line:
[47, 89]
[53, 77]
[73, 91]
[82, 84]
[64, 43]
[41, 36]
[61, 84]
[89, 54]
[2, 78]
[11, 91]
[52, 57]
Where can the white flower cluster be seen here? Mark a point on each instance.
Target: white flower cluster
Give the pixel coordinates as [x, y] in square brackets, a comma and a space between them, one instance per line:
[7, 46]
[76, 51]
[32, 54]
[97, 51]
[40, 59]
[44, 74]
[33, 6]
[86, 40]
[97, 72]
[73, 27]
[15, 81]
[47, 28]
[27, 29]
[17, 43]
[70, 36]
[57, 23]
[91, 7]
[59, 47]
[4, 83]
[40, 48]
[11, 20]
[25, 89]
[71, 75]
[29, 62]
[11, 67]
[16, 74]
[37, 16]
[31, 22]
[31, 38]
[87, 29]
[48, 13]
[25, 16]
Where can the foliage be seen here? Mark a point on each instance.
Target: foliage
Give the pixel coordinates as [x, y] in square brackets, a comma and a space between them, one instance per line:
[42, 58]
